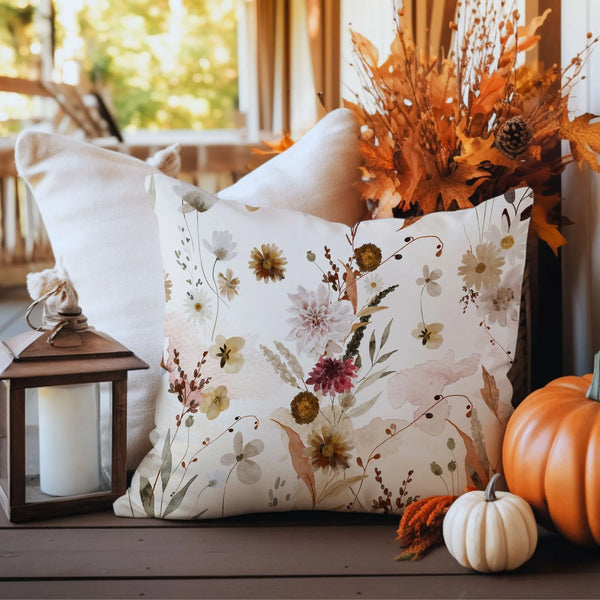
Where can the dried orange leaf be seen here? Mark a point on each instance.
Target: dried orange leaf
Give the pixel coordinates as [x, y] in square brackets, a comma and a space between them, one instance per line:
[300, 463]
[584, 138]
[491, 90]
[366, 49]
[448, 192]
[527, 38]
[490, 392]
[546, 231]
[351, 291]
[479, 150]
[277, 146]
[472, 459]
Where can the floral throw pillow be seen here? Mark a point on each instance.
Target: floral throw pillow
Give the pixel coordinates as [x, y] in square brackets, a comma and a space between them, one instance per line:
[312, 365]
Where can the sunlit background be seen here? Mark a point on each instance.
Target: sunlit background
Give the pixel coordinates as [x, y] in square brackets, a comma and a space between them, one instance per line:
[161, 63]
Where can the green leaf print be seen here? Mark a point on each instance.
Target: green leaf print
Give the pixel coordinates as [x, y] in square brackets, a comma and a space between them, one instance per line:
[167, 462]
[361, 409]
[178, 497]
[386, 333]
[147, 496]
[372, 346]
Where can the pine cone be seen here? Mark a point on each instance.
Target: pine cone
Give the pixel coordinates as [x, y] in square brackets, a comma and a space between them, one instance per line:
[513, 137]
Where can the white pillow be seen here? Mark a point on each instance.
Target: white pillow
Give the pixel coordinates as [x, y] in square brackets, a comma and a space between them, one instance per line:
[314, 365]
[100, 224]
[317, 175]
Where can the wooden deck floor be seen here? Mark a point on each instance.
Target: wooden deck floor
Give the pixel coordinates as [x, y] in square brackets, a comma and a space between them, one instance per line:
[297, 555]
[13, 304]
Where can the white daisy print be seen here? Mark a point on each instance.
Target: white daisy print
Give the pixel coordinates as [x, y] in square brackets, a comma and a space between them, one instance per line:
[372, 284]
[505, 237]
[197, 307]
[482, 268]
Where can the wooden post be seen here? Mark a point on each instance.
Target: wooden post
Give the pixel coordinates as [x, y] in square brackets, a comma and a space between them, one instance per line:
[16, 441]
[545, 275]
[286, 117]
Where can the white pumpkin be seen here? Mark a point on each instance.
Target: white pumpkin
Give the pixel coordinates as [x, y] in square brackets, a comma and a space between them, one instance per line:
[490, 531]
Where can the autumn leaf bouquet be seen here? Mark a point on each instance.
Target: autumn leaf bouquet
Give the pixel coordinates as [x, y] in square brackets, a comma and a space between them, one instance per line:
[444, 133]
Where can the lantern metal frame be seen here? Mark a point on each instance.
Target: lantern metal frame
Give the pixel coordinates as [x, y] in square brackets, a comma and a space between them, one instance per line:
[97, 359]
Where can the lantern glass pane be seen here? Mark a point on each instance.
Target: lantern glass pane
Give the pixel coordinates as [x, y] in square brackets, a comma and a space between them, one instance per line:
[4, 390]
[65, 441]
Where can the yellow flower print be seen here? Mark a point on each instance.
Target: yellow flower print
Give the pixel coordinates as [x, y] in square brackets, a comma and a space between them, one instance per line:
[429, 334]
[305, 407]
[328, 450]
[368, 257]
[227, 352]
[228, 284]
[214, 401]
[267, 263]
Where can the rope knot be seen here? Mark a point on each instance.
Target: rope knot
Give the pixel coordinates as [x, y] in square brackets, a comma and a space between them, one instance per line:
[61, 311]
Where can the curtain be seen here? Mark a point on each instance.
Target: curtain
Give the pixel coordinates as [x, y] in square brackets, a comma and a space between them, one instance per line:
[267, 50]
[289, 58]
[304, 102]
[581, 204]
[324, 35]
[375, 21]
[429, 23]
[304, 54]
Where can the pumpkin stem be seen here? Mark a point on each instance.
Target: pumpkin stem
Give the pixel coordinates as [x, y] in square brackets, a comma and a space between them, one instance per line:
[593, 392]
[490, 490]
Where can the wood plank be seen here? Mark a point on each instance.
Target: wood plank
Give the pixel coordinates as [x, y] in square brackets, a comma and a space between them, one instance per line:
[199, 552]
[277, 555]
[513, 585]
[203, 153]
[209, 157]
[7, 163]
[18, 85]
[247, 551]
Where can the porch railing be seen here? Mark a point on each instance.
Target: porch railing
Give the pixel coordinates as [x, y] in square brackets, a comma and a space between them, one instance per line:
[212, 160]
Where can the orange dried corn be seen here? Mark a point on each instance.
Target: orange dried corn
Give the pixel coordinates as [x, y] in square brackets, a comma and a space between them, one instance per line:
[420, 527]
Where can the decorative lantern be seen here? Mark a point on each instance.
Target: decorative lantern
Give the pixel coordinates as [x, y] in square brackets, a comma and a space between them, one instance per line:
[63, 414]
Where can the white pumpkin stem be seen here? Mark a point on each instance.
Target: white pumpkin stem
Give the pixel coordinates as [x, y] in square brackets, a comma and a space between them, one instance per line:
[490, 490]
[593, 392]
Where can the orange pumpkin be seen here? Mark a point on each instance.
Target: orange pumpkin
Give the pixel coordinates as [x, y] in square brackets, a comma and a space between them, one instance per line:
[551, 455]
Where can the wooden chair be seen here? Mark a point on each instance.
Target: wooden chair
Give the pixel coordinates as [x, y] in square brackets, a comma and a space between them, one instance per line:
[24, 244]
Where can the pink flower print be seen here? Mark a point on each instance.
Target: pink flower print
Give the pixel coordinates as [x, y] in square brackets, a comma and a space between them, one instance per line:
[332, 376]
[424, 385]
[317, 319]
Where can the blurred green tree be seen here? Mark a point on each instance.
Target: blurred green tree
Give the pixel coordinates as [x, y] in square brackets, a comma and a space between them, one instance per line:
[16, 37]
[167, 64]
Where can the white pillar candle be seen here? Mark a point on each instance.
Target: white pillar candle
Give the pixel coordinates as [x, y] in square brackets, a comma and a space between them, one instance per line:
[68, 430]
